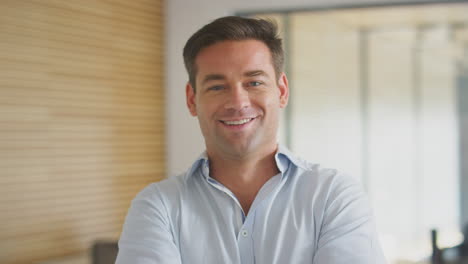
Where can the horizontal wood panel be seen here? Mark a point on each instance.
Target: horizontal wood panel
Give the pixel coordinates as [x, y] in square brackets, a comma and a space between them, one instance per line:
[42, 179]
[92, 223]
[61, 217]
[81, 126]
[82, 121]
[118, 63]
[82, 157]
[37, 225]
[59, 59]
[85, 110]
[84, 11]
[61, 202]
[60, 33]
[42, 46]
[95, 136]
[121, 89]
[86, 68]
[57, 244]
[96, 79]
[46, 190]
[41, 114]
[27, 96]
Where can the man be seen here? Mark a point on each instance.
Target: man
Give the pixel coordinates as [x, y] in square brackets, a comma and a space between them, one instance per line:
[246, 199]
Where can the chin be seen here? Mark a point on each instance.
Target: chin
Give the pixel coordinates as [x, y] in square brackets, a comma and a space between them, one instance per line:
[242, 149]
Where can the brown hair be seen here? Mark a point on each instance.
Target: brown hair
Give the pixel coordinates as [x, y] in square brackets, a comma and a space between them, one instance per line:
[234, 28]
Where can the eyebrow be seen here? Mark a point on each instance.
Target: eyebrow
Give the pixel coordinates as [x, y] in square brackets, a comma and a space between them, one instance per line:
[217, 77]
[213, 77]
[255, 73]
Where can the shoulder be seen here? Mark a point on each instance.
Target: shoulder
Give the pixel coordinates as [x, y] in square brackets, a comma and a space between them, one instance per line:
[326, 187]
[338, 198]
[314, 174]
[163, 191]
[175, 185]
[157, 203]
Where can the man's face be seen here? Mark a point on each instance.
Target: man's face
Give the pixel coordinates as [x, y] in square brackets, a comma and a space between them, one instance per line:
[237, 98]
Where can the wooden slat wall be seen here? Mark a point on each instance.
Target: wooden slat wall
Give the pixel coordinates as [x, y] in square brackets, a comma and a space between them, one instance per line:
[81, 120]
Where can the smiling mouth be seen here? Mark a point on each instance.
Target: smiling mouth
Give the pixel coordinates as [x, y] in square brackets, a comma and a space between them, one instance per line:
[237, 122]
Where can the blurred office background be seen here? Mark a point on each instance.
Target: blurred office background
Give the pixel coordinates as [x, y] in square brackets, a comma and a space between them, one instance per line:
[81, 121]
[92, 109]
[380, 92]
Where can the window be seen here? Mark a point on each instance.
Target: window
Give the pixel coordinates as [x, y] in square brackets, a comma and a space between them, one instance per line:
[378, 92]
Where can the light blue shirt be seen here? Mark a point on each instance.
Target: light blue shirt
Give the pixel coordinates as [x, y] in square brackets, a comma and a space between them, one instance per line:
[305, 214]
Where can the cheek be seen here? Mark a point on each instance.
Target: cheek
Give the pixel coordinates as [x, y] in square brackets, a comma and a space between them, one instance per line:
[270, 102]
[206, 110]
[271, 108]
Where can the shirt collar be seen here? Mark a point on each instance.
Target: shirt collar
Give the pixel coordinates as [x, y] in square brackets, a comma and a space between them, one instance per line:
[201, 162]
[283, 158]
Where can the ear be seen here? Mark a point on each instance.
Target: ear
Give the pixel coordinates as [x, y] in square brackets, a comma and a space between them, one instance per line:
[190, 96]
[284, 90]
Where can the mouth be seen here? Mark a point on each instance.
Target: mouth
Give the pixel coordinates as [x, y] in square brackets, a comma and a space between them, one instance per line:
[237, 122]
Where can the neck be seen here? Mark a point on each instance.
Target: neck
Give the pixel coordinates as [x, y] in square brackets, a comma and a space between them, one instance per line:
[245, 175]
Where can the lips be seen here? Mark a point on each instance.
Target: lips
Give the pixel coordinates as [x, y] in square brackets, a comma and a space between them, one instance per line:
[237, 122]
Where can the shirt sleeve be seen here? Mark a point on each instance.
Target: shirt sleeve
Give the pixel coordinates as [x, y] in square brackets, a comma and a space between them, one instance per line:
[147, 237]
[348, 233]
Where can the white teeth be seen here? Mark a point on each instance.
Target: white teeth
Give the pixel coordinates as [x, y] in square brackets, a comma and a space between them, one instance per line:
[238, 122]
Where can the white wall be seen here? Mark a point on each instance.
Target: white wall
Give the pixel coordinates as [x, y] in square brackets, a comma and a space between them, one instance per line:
[183, 18]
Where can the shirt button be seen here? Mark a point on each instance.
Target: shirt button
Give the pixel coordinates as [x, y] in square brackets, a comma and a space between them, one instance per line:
[244, 233]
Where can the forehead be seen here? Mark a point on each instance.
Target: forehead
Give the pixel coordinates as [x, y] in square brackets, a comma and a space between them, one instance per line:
[234, 57]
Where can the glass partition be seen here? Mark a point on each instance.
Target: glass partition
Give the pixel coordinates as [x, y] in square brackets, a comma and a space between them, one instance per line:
[382, 93]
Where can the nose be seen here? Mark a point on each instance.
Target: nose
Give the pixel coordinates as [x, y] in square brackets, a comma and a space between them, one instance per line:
[238, 98]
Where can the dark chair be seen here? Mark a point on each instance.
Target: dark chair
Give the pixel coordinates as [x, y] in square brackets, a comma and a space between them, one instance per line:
[460, 251]
[436, 257]
[104, 252]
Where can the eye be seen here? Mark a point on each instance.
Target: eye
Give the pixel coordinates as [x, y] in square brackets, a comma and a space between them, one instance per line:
[255, 83]
[216, 88]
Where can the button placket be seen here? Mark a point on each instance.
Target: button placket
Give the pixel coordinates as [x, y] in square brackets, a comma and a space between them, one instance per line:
[244, 233]
[244, 240]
